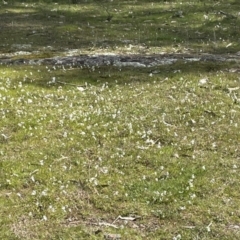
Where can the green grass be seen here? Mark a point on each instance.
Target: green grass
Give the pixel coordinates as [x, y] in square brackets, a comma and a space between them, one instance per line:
[135, 26]
[71, 159]
[80, 147]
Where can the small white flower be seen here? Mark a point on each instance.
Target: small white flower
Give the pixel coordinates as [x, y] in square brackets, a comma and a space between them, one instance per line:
[182, 208]
[178, 237]
[44, 192]
[34, 192]
[205, 16]
[94, 181]
[19, 195]
[214, 145]
[104, 170]
[81, 89]
[203, 81]
[64, 208]
[51, 208]
[208, 227]
[32, 178]
[190, 182]
[192, 196]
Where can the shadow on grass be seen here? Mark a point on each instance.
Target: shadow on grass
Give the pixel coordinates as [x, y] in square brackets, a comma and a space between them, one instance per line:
[75, 77]
[197, 27]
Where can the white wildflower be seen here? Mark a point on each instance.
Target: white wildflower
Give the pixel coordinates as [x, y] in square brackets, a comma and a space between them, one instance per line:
[34, 192]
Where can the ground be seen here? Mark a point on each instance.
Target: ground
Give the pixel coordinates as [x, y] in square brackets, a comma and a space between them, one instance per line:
[119, 120]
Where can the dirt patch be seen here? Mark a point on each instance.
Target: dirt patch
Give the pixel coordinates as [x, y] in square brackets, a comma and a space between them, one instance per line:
[134, 60]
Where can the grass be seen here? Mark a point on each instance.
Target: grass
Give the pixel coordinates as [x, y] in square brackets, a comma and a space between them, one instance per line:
[80, 147]
[131, 145]
[135, 26]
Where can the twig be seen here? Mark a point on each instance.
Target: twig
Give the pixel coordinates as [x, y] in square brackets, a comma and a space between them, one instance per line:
[97, 224]
[189, 227]
[105, 224]
[126, 218]
[116, 219]
[74, 222]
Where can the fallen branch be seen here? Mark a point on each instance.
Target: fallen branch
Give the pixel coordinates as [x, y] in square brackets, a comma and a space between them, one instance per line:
[105, 224]
[126, 218]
